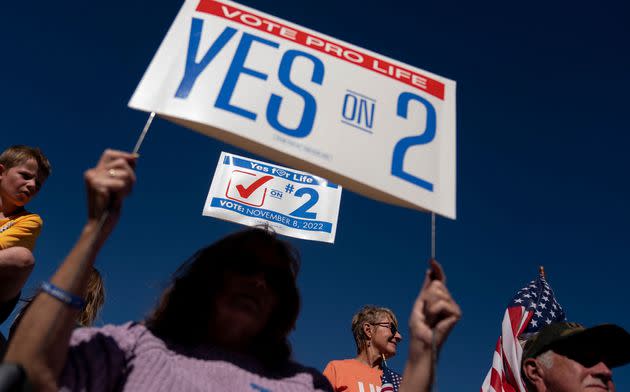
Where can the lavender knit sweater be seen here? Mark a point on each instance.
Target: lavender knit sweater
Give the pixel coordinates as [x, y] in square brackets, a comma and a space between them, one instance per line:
[130, 358]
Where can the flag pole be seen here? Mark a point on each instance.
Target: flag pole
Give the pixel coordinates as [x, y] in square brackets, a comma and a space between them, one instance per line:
[541, 272]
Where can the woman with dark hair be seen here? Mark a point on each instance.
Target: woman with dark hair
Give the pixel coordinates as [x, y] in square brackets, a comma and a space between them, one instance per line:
[222, 324]
[246, 278]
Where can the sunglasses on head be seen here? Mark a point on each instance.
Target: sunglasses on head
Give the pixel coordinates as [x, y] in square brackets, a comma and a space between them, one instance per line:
[392, 327]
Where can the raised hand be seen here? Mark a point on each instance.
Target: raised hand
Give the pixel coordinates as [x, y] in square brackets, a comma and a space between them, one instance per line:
[107, 184]
[434, 312]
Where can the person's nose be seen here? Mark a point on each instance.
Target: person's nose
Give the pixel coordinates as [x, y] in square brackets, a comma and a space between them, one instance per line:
[31, 185]
[602, 372]
[259, 281]
[398, 336]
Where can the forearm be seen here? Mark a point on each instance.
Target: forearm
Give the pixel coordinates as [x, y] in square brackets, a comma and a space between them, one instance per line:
[41, 340]
[417, 376]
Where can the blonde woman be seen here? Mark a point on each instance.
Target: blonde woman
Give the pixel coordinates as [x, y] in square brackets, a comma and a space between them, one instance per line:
[375, 331]
[376, 335]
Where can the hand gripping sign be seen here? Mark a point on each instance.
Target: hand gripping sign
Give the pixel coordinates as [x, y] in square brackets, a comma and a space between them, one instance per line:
[292, 202]
[372, 124]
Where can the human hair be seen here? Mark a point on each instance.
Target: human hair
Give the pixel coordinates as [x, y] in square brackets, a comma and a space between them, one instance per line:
[185, 308]
[94, 299]
[19, 154]
[546, 360]
[368, 314]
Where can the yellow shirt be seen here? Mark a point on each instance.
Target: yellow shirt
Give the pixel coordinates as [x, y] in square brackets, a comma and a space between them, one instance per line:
[356, 376]
[20, 230]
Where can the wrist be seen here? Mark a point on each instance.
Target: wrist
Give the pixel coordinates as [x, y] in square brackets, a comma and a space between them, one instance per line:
[96, 228]
[66, 297]
[90, 226]
[419, 352]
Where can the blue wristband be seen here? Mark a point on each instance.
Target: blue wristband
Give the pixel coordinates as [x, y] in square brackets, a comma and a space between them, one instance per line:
[67, 298]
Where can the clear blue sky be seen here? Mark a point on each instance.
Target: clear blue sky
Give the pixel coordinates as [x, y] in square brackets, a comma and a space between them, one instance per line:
[542, 162]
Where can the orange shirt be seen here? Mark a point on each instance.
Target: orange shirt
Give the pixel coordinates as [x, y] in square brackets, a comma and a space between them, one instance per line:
[355, 375]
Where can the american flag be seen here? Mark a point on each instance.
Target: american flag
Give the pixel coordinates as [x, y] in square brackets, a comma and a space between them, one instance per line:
[533, 307]
[390, 380]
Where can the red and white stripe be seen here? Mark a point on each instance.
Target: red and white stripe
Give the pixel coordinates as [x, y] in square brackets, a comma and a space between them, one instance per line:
[505, 374]
[387, 387]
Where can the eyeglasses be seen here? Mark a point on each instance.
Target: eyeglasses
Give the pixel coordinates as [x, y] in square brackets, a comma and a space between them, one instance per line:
[392, 327]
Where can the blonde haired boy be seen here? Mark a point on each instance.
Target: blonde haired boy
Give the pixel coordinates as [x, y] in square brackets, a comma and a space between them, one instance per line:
[23, 170]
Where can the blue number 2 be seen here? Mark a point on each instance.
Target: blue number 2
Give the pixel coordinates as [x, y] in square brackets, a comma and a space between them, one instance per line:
[403, 144]
[302, 211]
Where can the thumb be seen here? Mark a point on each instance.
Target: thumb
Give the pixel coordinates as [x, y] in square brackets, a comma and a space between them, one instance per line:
[427, 280]
[437, 272]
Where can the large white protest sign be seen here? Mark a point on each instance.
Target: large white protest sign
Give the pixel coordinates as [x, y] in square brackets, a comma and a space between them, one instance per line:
[372, 124]
[292, 202]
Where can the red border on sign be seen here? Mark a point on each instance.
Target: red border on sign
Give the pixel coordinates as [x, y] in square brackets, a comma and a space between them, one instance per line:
[331, 48]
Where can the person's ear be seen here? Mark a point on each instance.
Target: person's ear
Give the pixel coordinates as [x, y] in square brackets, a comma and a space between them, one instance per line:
[367, 330]
[1, 169]
[533, 371]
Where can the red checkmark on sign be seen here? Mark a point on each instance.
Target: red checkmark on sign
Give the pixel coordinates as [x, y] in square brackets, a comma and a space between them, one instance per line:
[246, 192]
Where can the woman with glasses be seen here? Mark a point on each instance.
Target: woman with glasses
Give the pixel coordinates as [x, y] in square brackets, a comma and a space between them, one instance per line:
[221, 325]
[375, 331]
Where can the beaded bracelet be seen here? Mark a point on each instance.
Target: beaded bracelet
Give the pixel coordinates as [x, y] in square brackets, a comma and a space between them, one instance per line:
[67, 298]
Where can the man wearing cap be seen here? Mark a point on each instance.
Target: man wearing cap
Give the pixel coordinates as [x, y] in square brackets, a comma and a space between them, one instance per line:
[566, 357]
